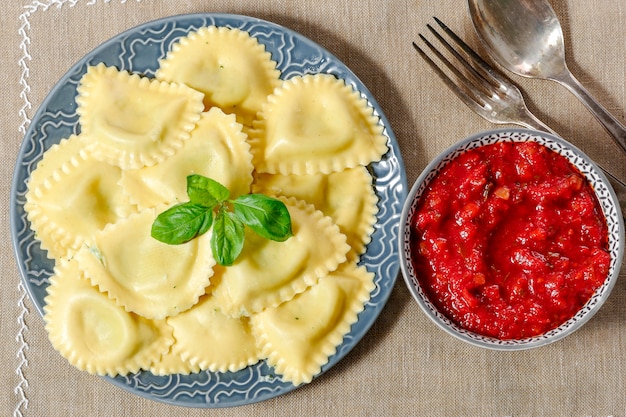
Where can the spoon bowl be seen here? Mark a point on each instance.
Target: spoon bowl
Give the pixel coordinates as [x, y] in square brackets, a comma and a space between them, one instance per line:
[525, 37]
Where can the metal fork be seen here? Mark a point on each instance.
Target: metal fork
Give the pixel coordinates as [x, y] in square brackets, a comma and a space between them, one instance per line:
[489, 93]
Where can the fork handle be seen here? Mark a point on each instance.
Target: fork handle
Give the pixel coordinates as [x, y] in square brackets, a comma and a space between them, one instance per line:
[610, 123]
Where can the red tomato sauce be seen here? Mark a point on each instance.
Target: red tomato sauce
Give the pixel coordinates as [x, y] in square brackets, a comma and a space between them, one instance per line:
[509, 240]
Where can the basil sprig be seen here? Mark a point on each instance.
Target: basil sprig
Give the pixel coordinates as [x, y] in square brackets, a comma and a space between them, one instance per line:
[209, 206]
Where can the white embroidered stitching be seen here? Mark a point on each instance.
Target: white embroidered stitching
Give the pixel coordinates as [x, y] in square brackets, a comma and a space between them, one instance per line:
[23, 113]
[20, 389]
[21, 354]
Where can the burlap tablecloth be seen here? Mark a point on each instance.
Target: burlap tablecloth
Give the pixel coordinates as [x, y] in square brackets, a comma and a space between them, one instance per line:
[404, 365]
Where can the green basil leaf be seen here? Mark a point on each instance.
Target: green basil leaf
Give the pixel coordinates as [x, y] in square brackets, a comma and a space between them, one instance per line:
[181, 223]
[227, 238]
[208, 222]
[267, 216]
[205, 191]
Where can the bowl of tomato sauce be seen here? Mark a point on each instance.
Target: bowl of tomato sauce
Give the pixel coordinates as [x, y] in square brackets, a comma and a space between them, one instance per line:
[512, 239]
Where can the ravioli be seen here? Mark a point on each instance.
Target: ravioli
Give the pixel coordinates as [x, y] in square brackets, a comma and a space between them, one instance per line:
[144, 275]
[121, 301]
[217, 149]
[93, 333]
[346, 196]
[299, 336]
[132, 121]
[315, 124]
[71, 196]
[172, 363]
[209, 339]
[231, 68]
[267, 273]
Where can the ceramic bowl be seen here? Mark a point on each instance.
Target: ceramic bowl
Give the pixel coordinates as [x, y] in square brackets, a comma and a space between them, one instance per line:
[608, 202]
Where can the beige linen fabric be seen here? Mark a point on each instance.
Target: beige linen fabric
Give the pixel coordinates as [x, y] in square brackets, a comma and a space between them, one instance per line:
[404, 365]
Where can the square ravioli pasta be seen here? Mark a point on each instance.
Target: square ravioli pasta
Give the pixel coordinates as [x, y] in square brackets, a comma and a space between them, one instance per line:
[206, 338]
[300, 335]
[144, 275]
[346, 196]
[71, 196]
[268, 273]
[230, 67]
[95, 334]
[315, 123]
[217, 148]
[132, 121]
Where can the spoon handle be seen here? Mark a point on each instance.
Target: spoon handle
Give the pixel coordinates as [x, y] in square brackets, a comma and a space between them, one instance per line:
[610, 123]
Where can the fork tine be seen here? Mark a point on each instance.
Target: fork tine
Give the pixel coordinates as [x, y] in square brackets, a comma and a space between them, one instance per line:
[468, 97]
[487, 69]
[484, 82]
[475, 92]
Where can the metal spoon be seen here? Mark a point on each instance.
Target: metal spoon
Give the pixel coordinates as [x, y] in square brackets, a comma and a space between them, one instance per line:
[525, 37]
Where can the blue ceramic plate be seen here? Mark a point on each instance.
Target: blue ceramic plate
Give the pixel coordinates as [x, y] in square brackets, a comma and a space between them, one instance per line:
[138, 50]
